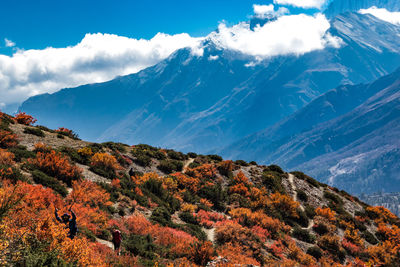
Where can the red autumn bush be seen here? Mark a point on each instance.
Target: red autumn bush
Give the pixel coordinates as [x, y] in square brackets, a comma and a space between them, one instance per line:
[56, 165]
[6, 158]
[7, 139]
[24, 118]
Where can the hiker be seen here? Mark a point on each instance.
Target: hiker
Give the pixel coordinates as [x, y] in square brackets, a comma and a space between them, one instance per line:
[69, 223]
[116, 240]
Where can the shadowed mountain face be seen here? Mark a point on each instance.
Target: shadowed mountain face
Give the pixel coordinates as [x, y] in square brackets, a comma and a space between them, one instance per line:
[201, 103]
[340, 6]
[347, 137]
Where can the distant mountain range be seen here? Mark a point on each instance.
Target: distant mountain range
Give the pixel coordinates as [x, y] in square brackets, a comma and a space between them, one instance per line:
[206, 103]
[347, 137]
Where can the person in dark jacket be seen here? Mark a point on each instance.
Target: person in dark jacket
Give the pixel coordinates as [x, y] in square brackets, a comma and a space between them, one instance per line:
[116, 240]
[70, 223]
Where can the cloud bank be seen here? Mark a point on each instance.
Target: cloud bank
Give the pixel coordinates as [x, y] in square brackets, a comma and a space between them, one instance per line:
[101, 57]
[383, 14]
[293, 34]
[302, 3]
[97, 58]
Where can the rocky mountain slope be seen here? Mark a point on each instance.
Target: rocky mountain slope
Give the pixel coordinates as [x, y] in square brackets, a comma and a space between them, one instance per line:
[197, 103]
[347, 137]
[173, 208]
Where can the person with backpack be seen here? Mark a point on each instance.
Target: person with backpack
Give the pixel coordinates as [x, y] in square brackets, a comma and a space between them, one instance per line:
[70, 223]
[116, 240]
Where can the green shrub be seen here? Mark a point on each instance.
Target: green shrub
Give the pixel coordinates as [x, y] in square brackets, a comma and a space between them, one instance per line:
[333, 197]
[241, 163]
[162, 216]
[142, 246]
[74, 155]
[216, 158]
[315, 251]
[188, 217]
[143, 160]
[192, 155]
[275, 168]
[253, 163]
[44, 128]
[115, 146]
[170, 166]
[273, 182]
[310, 211]
[34, 131]
[59, 135]
[48, 181]
[370, 238]
[20, 152]
[321, 229]
[176, 155]
[303, 235]
[194, 165]
[216, 194]
[302, 195]
[302, 218]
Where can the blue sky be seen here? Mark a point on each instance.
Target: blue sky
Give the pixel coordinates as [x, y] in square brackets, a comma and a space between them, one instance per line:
[58, 23]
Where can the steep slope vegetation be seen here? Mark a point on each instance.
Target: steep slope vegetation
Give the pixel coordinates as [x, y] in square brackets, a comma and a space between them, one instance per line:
[173, 209]
[346, 137]
[200, 103]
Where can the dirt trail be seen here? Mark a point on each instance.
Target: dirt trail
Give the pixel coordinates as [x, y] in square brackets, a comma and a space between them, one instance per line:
[105, 242]
[187, 163]
[294, 188]
[210, 234]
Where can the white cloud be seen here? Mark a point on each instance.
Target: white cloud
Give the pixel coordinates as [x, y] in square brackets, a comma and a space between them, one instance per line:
[97, 58]
[294, 34]
[9, 43]
[267, 11]
[383, 14]
[302, 3]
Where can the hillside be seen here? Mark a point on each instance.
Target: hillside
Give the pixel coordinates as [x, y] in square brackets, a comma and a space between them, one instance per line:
[347, 137]
[173, 209]
[200, 103]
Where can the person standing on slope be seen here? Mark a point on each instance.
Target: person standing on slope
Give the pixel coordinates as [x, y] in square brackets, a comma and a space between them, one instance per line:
[116, 240]
[69, 223]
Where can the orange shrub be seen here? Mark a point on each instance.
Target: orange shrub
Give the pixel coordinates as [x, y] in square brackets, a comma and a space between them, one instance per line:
[56, 165]
[284, 204]
[7, 139]
[105, 161]
[6, 158]
[42, 147]
[201, 253]
[381, 214]
[326, 213]
[236, 255]
[24, 118]
[85, 151]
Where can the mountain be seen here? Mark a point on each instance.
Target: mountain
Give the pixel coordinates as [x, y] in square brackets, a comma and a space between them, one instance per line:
[200, 103]
[341, 6]
[346, 137]
[172, 209]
